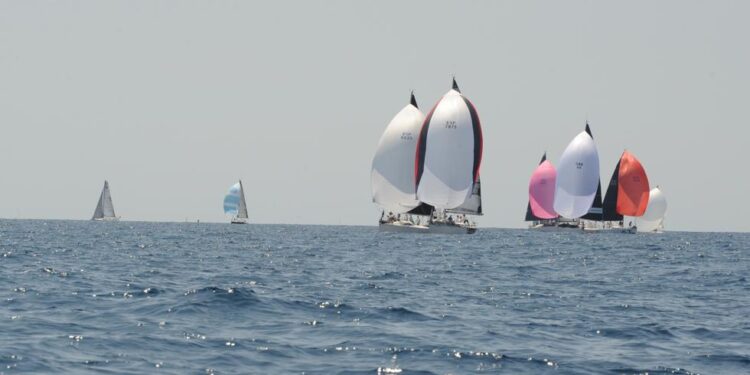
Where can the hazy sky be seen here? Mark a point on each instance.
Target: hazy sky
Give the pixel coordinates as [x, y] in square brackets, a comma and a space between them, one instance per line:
[173, 101]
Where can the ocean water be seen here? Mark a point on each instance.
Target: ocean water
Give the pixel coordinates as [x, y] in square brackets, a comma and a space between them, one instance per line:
[179, 298]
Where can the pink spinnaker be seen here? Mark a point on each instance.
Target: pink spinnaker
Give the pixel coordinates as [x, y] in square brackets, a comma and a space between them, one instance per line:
[542, 191]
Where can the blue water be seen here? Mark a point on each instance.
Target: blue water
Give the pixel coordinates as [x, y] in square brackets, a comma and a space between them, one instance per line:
[133, 298]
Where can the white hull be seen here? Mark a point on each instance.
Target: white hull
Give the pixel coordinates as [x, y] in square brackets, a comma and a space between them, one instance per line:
[238, 221]
[106, 219]
[439, 228]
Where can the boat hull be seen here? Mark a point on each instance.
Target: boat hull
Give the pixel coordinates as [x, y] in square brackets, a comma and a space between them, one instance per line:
[106, 219]
[437, 228]
[238, 221]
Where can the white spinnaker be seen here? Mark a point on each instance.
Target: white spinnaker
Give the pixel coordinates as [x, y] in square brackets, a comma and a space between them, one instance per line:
[577, 177]
[392, 175]
[448, 175]
[653, 219]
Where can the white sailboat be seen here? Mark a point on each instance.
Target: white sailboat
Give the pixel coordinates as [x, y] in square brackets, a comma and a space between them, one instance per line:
[234, 204]
[652, 220]
[105, 211]
[577, 187]
[392, 175]
[449, 154]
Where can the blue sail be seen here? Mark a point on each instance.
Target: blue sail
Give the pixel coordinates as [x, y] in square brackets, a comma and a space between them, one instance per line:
[232, 200]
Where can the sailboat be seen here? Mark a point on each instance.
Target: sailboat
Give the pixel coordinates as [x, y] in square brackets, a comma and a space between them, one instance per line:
[105, 211]
[392, 175]
[652, 220]
[627, 194]
[540, 211]
[234, 204]
[577, 187]
[449, 154]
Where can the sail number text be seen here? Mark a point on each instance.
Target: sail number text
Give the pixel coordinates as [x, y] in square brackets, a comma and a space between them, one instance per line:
[450, 124]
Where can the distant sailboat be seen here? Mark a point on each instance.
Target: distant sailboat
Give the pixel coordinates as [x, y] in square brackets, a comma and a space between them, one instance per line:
[234, 204]
[652, 220]
[105, 211]
[540, 211]
[627, 194]
[577, 187]
[392, 174]
[449, 154]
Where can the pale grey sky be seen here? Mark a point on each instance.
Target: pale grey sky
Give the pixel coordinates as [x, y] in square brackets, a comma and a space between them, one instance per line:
[172, 101]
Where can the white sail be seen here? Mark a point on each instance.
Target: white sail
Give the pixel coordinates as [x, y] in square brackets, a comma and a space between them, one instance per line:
[449, 152]
[577, 177]
[242, 208]
[392, 175]
[472, 205]
[104, 208]
[653, 219]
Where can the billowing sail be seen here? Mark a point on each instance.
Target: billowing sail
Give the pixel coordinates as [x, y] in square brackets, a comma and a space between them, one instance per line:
[628, 189]
[392, 175]
[449, 152]
[542, 192]
[577, 180]
[657, 206]
[104, 208]
[234, 201]
[473, 204]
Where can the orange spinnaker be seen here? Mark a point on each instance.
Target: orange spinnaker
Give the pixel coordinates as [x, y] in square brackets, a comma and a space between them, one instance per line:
[632, 190]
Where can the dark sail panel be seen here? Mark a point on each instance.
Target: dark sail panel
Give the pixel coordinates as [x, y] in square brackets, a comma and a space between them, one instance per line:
[610, 200]
[423, 209]
[595, 212]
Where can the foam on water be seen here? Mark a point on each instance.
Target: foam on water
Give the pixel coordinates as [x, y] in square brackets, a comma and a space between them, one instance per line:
[90, 297]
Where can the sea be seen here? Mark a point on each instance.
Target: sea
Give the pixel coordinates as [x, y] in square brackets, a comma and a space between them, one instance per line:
[80, 297]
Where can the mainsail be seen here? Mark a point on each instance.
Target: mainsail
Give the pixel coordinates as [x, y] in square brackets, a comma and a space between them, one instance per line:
[449, 152]
[577, 184]
[104, 208]
[628, 191]
[542, 192]
[234, 201]
[392, 175]
[473, 204]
